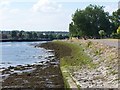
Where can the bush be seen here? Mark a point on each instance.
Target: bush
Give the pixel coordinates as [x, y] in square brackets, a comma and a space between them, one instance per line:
[101, 33]
[89, 44]
[118, 30]
[115, 35]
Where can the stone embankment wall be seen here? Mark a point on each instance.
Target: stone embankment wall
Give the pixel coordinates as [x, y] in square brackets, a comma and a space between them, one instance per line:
[104, 73]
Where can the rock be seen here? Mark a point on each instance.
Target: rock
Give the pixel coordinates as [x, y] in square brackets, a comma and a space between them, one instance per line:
[28, 74]
[11, 67]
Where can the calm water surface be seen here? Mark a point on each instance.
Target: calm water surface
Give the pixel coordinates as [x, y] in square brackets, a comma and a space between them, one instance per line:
[21, 53]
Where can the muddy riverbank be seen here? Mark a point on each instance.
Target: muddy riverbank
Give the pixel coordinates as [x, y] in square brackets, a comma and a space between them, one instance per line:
[60, 50]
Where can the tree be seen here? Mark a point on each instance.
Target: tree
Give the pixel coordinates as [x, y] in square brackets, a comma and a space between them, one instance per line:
[115, 19]
[102, 33]
[14, 34]
[59, 36]
[118, 30]
[29, 34]
[21, 34]
[114, 35]
[4, 36]
[72, 30]
[89, 21]
[35, 36]
[51, 36]
[41, 35]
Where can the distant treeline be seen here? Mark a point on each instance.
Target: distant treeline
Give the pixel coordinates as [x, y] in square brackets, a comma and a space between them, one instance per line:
[32, 35]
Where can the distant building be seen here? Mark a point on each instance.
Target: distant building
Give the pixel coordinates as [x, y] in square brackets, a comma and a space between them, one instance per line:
[119, 5]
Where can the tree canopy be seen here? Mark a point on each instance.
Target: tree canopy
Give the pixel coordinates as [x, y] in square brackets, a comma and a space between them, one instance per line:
[91, 20]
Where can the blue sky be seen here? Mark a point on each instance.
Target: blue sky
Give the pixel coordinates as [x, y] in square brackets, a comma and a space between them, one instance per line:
[44, 15]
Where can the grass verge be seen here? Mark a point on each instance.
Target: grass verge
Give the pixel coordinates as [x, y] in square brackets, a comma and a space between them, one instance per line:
[75, 60]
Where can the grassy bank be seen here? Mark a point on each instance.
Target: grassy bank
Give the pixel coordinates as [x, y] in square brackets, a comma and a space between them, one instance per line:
[77, 60]
[77, 57]
[71, 56]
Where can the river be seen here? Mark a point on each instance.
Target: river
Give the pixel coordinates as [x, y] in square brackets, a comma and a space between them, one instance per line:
[21, 53]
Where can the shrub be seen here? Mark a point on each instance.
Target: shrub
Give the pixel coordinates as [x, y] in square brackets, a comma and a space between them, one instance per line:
[115, 35]
[89, 44]
[118, 30]
[102, 33]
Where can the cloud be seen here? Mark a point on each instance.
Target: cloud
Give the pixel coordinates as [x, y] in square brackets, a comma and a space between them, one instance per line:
[46, 6]
[5, 7]
[14, 11]
[4, 3]
[5, 10]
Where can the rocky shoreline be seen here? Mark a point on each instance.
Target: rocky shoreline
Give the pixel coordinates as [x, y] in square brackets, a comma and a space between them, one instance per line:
[43, 75]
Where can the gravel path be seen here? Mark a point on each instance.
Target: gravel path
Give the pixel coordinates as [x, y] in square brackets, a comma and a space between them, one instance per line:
[109, 42]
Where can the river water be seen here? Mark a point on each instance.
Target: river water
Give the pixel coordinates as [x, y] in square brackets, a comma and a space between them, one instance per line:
[21, 53]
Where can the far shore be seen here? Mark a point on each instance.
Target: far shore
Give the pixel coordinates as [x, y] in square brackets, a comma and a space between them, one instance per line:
[7, 40]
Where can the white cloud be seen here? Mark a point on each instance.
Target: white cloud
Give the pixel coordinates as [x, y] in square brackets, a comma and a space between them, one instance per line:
[46, 6]
[14, 11]
[5, 9]
[5, 6]
[4, 3]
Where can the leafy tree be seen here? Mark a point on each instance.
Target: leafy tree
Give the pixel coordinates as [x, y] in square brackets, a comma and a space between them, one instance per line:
[89, 21]
[41, 35]
[46, 36]
[21, 34]
[118, 30]
[59, 36]
[72, 29]
[35, 36]
[3, 36]
[115, 35]
[14, 34]
[30, 35]
[102, 33]
[115, 19]
[51, 36]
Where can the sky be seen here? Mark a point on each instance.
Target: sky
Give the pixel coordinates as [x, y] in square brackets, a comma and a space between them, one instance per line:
[44, 15]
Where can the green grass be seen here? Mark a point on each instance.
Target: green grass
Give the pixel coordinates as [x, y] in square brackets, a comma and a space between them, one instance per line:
[66, 84]
[77, 57]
